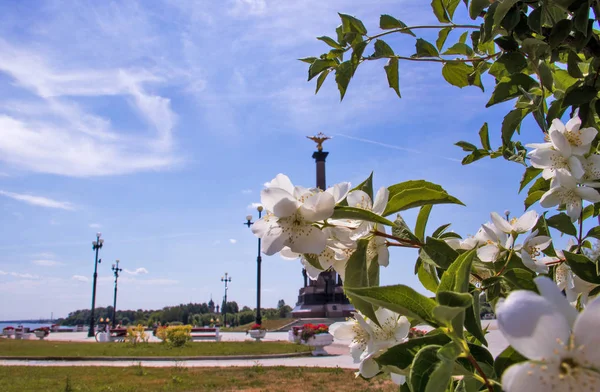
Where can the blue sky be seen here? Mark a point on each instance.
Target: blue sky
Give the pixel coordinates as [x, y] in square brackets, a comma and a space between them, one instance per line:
[156, 123]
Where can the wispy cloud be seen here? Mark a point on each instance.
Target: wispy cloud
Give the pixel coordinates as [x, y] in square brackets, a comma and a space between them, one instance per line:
[232, 241]
[39, 201]
[247, 191]
[46, 263]
[254, 206]
[95, 225]
[395, 147]
[138, 271]
[80, 278]
[2, 273]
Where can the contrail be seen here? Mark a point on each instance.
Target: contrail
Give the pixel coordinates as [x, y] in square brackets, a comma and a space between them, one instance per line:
[392, 146]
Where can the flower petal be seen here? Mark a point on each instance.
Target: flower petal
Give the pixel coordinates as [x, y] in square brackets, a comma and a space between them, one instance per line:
[359, 199]
[273, 241]
[317, 207]
[560, 142]
[501, 223]
[573, 124]
[532, 325]
[551, 198]
[381, 200]
[526, 222]
[550, 291]
[312, 271]
[368, 368]
[587, 338]
[309, 239]
[557, 125]
[488, 253]
[286, 253]
[386, 316]
[398, 379]
[531, 263]
[587, 135]
[281, 203]
[576, 167]
[383, 255]
[402, 329]
[574, 209]
[363, 230]
[588, 194]
[339, 191]
[343, 330]
[282, 181]
[532, 377]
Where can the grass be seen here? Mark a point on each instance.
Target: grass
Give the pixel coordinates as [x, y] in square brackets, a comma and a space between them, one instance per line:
[270, 325]
[138, 378]
[11, 347]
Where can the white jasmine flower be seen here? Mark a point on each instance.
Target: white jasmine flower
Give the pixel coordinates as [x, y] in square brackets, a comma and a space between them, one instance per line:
[516, 225]
[561, 344]
[291, 213]
[558, 158]
[531, 250]
[497, 242]
[579, 139]
[360, 199]
[369, 340]
[564, 190]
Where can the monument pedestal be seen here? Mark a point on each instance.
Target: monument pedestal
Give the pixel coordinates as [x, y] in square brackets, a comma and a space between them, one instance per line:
[320, 300]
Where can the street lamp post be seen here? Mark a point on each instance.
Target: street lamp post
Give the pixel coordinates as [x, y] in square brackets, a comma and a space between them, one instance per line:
[96, 245]
[258, 264]
[116, 270]
[224, 308]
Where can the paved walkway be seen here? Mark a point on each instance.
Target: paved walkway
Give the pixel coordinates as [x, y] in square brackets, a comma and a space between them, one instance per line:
[339, 355]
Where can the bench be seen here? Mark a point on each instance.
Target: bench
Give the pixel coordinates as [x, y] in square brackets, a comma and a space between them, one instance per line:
[205, 334]
[118, 334]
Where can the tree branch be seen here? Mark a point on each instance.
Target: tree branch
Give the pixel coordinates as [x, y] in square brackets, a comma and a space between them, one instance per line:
[478, 368]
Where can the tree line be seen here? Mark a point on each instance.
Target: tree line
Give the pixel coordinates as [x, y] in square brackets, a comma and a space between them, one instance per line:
[191, 313]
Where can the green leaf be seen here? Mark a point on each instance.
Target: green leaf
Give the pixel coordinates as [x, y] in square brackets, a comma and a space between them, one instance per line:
[508, 64]
[421, 223]
[562, 222]
[357, 275]
[466, 146]
[388, 22]
[345, 212]
[352, 24]
[401, 230]
[580, 22]
[507, 43]
[440, 11]
[457, 73]
[459, 48]
[427, 277]
[442, 35]
[400, 299]
[391, 71]
[507, 358]
[476, 7]
[579, 96]
[308, 60]
[428, 372]
[456, 277]
[484, 137]
[511, 123]
[583, 267]
[440, 230]
[532, 198]
[365, 186]
[425, 49]
[473, 319]
[520, 278]
[535, 48]
[313, 260]
[594, 232]
[573, 65]
[321, 79]
[439, 253]
[546, 75]
[560, 32]
[534, 20]
[502, 10]
[343, 74]
[402, 355]
[319, 66]
[528, 176]
[330, 41]
[510, 87]
[411, 194]
[382, 49]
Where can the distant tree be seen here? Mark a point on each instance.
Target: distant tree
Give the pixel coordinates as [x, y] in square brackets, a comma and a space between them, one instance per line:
[280, 304]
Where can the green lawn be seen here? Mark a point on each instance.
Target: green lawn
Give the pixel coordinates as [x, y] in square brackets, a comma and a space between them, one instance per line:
[11, 347]
[137, 378]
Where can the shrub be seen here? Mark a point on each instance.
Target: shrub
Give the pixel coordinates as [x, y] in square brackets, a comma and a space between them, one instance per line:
[178, 335]
[136, 335]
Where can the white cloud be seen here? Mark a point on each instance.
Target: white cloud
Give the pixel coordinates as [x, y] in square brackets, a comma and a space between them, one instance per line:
[80, 278]
[46, 263]
[3, 273]
[53, 134]
[232, 241]
[254, 206]
[247, 191]
[138, 271]
[95, 225]
[38, 200]
[23, 276]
